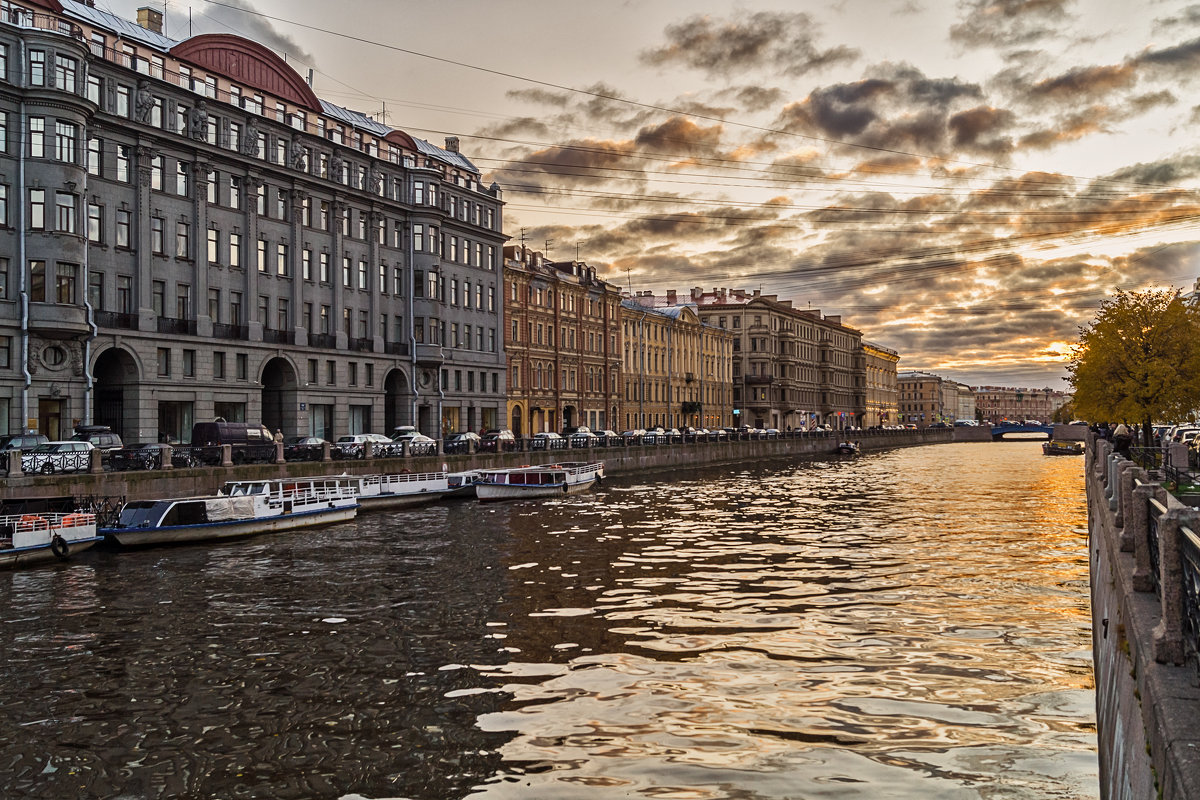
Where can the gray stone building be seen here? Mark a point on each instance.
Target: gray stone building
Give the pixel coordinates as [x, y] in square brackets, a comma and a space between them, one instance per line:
[188, 232]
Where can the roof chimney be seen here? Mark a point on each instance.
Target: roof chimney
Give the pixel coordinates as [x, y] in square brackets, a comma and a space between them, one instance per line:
[150, 18]
[671, 297]
[452, 144]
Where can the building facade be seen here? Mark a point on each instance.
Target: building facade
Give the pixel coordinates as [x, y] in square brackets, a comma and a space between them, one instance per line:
[921, 399]
[563, 343]
[883, 393]
[792, 368]
[998, 404]
[677, 368]
[188, 233]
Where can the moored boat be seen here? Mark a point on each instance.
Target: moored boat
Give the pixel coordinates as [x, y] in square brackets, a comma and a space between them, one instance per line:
[27, 539]
[462, 484]
[549, 480]
[242, 508]
[1060, 447]
[399, 490]
[846, 449]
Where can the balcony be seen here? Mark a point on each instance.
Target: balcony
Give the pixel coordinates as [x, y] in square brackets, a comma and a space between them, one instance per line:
[689, 377]
[57, 319]
[328, 341]
[223, 331]
[429, 354]
[396, 348]
[273, 336]
[362, 345]
[114, 319]
[759, 380]
[177, 327]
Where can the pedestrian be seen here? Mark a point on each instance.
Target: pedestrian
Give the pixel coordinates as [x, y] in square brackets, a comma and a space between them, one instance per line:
[1122, 440]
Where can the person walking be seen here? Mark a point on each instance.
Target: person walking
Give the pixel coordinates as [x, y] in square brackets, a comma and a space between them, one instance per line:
[1122, 440]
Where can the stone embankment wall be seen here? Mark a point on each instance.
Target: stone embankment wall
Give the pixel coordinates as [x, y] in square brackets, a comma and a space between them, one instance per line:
[147, 485]
[1147, 680]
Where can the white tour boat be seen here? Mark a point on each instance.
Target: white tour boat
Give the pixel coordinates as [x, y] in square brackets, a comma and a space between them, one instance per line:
[35, 538]
[549, 480]
[243, 508]
[398, 490]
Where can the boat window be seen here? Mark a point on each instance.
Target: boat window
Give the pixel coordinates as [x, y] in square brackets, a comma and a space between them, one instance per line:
[140, 512]
[186, 513]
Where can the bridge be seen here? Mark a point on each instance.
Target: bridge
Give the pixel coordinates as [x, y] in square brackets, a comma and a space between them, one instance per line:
[1000, 431]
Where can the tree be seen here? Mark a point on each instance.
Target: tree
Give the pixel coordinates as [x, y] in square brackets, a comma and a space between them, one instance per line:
[1138, 361]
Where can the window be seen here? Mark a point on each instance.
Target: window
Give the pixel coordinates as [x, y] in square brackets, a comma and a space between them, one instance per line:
[37, 281]
[66, 278]
[214, 244]
[324, 262]
[37, 67]
[95, 149]
[306, 265]
[37, 137]
[123, 224]
[235, 250]
[64, 212]
[281, 259]
[210, 186]
[362, 275]
[65, 136]
[37, 209]
[243, 366]
[235, 192]
[214, 304]
[156, 173]
[124, 294]
[164, 362]
[123, 163]
[189, 363]
[158, 240]
[418, 233]
[3, 278]
[64, 72]
[219, 365]
[235, 308]
[183, 247]
[158, 297]
[93, 89]
[282, 315]
[262, 255]
[182, 168]
[123, 101]
[95, 223]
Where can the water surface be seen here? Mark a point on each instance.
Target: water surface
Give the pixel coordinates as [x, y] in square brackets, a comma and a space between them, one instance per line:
[904, 624]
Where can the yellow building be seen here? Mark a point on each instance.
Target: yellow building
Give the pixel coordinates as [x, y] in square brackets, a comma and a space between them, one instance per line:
[882, 386]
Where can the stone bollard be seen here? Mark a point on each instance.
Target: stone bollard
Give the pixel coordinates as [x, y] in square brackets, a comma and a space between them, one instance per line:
[1137, 527]
[15, 469]
[326, 455]
[226, 455]
[1169, 644]
[279, 459]
[470, 447]
[96, 464]
[406, 447]
[167, 454]
[1125, 478]
[1177, 456]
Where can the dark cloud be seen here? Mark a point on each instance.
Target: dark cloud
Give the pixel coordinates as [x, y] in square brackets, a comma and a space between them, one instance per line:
[1008, 23]
[778, 41]
[539, 96]
[753, 98]
[1083, 83]
[1186, 16]
[982, 129]
[1161, 172]
[1181, 60]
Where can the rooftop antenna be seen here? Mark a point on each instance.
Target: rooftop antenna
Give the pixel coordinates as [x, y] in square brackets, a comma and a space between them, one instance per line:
[629, 280]
[383, 115]
[548, 243]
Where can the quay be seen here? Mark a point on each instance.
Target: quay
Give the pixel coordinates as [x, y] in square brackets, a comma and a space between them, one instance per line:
[623, 458]
[1144, 553]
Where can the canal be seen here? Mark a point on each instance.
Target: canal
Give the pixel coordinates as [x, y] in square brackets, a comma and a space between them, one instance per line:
[908, 624]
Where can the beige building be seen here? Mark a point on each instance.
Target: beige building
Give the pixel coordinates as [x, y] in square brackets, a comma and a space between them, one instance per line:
[677, 369]
[562, 342]
[883, 391]
[792, 368]
[921, 399]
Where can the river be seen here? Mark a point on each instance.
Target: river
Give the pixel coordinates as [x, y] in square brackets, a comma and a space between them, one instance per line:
[907, 624]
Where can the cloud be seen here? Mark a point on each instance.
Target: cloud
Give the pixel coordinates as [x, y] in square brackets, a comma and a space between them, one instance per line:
[1179, 61]
[1008, 23]
[1084, 83]
[775, 41]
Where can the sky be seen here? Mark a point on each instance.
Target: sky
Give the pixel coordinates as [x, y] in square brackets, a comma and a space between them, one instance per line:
[963, 181]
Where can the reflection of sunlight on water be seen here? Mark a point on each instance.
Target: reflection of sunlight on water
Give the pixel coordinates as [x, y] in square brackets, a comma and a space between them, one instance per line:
[909, 624]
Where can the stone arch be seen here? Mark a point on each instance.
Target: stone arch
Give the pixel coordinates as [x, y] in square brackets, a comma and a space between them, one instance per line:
[518, 423]
[280, 395]
[116, 384]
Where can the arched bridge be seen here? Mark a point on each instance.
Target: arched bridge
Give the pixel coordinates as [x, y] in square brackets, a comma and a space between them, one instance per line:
[1000, 431]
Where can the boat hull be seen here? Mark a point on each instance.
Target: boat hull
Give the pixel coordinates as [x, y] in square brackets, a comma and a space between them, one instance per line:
[230, 529]
[42, 554]
[500, 491]
[380, 502]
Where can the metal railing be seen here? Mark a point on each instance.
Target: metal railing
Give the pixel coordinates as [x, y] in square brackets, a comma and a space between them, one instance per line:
[115, 319]
[1191, 591]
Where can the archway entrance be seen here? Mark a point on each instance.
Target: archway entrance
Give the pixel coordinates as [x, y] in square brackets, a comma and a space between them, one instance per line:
[568, 417]
[397, 401]
[115, 377]
[517, 422]
[279, 397]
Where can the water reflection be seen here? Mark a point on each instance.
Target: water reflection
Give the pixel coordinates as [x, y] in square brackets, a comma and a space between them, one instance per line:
[905, 624]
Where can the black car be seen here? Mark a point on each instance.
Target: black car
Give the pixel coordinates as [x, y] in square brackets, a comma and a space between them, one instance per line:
[308, 448]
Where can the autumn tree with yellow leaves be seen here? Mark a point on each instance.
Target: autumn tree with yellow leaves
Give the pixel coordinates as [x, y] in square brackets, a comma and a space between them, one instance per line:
[1138, 361]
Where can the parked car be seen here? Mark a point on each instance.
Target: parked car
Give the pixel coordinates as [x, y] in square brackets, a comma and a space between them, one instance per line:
[583, 437]
[22, 441]
[101, 436]
[497, 439]
[460, 442]
[353, 445]
[308, 448]
[51, 457]
[149, 455]
[404, 432]
[211, 434]
[546, 440]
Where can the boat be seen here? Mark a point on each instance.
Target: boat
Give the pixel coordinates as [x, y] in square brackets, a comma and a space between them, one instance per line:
[846, 449]
[549, 480]
[398, 490]
[462, 484]
[1060, 447]
[242, 508]
[27, 539]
